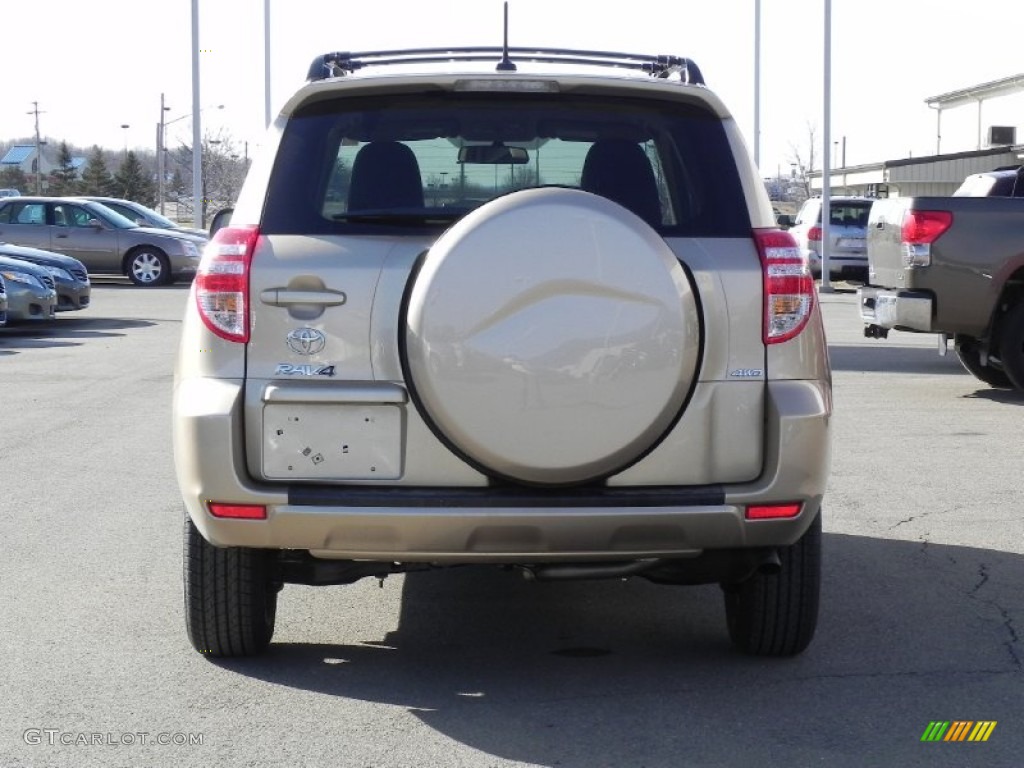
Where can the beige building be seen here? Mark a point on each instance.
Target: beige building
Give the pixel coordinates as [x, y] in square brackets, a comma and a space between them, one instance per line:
[940, 174]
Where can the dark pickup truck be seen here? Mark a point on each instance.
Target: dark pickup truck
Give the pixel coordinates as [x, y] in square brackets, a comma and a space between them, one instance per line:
[952, 266]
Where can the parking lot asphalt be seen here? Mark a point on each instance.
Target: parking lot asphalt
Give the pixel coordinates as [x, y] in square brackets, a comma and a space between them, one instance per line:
[922, 616]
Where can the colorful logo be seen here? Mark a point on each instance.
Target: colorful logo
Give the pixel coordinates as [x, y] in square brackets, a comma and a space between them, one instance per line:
[958, 730]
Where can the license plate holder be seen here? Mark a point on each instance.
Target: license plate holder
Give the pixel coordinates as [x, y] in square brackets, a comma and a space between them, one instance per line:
[332, 441]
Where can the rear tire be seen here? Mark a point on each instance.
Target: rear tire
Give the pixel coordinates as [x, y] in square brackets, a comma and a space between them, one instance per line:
[1011, 344]
[230, 601]
[148, 267]
[776, 614]
[970, 358]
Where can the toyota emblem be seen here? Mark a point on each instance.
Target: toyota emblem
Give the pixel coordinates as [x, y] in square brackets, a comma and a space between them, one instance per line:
[306, 341]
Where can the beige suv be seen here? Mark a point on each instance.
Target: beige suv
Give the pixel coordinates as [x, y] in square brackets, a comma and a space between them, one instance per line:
[534, 316]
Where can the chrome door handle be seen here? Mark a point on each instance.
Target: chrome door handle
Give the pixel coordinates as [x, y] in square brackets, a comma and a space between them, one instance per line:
[284, 297]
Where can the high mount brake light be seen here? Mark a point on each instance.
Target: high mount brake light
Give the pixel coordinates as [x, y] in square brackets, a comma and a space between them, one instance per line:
[222, 282]
[788, 285]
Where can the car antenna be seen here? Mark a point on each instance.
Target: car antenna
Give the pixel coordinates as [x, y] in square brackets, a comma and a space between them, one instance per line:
[505, 65]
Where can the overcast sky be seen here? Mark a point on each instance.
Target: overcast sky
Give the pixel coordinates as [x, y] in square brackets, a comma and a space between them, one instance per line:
[95, 66]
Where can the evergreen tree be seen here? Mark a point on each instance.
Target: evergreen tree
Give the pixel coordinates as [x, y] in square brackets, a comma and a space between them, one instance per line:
[64, 178]
[133, 183]
[13, 177]
[96, 179]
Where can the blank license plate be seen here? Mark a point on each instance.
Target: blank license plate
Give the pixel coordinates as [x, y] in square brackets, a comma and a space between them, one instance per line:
[332, 442]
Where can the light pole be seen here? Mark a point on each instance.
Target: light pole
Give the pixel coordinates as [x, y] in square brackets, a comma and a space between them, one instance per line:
[125, 126]
[266, 63]
[757, 83]
[197, 133]
[826, 170]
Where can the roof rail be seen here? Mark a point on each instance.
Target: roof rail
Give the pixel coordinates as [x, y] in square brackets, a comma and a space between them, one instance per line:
[339, 64]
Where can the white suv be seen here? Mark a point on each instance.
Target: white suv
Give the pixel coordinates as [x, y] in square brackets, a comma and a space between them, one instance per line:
[848, 229]
[539, 316]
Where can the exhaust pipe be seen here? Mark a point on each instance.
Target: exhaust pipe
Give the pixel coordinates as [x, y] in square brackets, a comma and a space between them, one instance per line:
[769, 564]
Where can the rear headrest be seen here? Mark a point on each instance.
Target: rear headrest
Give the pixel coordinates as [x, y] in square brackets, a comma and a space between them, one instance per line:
[385, 175]
[619, 170]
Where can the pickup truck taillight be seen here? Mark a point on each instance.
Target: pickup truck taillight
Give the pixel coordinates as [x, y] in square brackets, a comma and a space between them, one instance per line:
[222, 282]
[920, 230]
[788, 285]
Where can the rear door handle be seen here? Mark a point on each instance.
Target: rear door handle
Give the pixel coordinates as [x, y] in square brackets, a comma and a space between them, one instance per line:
[285, 297]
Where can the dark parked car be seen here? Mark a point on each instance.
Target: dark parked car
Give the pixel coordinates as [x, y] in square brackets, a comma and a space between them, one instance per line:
[30, 291]
[3, 303]
[69, 275]
[102, 239]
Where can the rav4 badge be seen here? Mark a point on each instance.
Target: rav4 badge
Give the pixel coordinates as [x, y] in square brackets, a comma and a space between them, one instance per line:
[307, 369]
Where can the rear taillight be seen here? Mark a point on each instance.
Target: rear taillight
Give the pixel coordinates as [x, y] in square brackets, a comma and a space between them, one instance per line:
[814, 233]
[788, 285]
[920, 230]
[222, 282]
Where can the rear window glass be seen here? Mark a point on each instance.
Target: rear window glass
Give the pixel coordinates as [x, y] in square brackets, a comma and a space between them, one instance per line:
[990, 185]
[849, 214]
[370, 165]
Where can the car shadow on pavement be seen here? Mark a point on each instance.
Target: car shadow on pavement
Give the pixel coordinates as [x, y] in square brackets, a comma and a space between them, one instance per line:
[631, 673]
[65, 331]
[1007, 396]
[893, 359]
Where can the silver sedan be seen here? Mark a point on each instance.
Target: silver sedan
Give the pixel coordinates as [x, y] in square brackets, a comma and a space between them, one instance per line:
[103, 240]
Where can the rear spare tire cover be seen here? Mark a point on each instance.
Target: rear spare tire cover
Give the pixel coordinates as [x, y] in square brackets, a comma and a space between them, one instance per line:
[551, 337]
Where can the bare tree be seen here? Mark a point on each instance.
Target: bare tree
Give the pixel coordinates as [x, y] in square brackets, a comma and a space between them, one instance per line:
[804, 161]
[223, 171]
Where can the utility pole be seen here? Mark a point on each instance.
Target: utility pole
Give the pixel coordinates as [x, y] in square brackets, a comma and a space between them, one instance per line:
[39, 156]
[161, 162]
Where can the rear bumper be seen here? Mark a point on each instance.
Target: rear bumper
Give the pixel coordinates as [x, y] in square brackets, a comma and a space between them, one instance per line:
[895, 309]
[483, 525]
[840, 265]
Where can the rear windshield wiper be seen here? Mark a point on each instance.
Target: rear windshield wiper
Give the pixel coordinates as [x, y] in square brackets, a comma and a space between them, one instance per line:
[396, 218]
